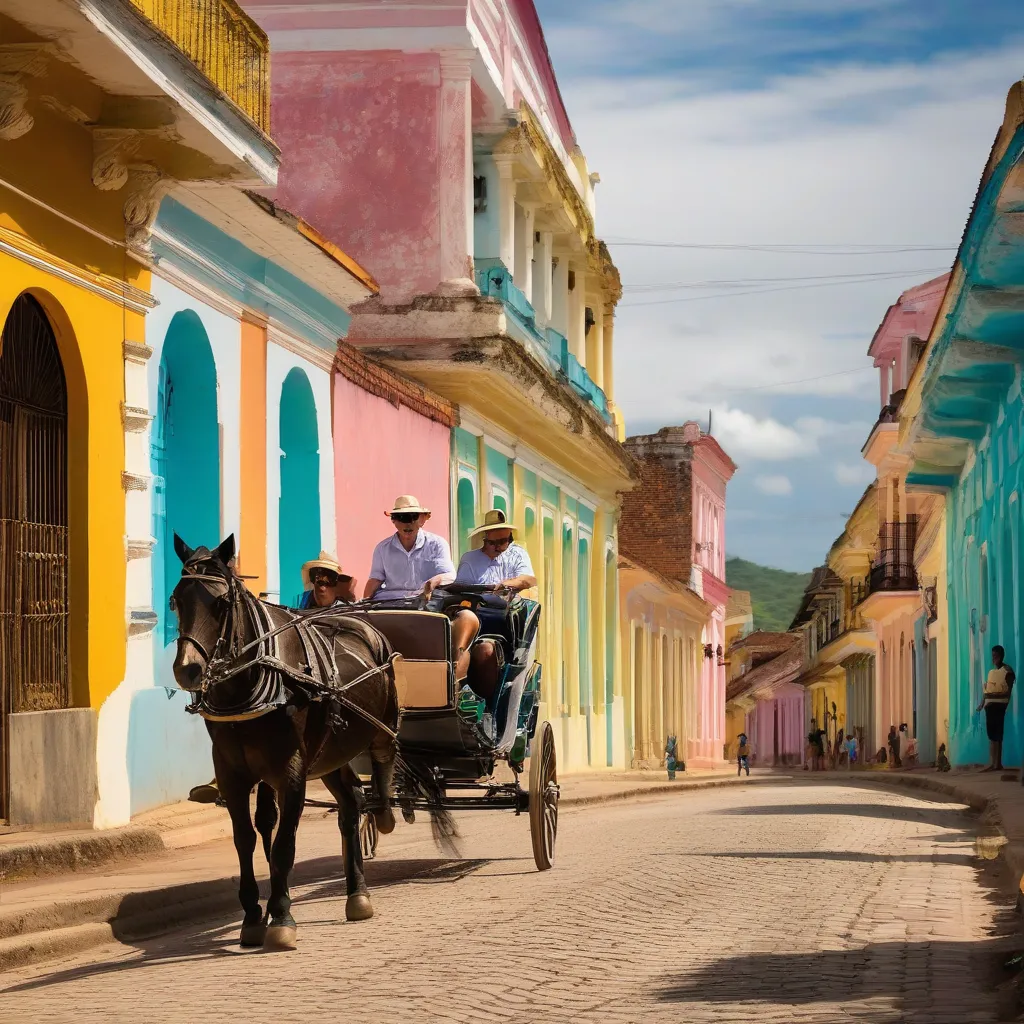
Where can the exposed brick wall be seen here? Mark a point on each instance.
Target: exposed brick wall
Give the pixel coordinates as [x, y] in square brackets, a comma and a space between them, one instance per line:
[384, 383]
[656, 522]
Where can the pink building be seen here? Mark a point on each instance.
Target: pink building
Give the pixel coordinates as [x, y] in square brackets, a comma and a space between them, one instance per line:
[674, 524]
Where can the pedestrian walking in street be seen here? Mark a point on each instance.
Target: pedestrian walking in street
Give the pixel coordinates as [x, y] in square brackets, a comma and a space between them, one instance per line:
[894, 747]
[816, 747]
[743, 756]
[995, 701]
[851, 751]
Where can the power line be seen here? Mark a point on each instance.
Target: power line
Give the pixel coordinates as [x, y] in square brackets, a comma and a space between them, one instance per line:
[801, 249]
[748, 281]
[864, 279]
[802, 380]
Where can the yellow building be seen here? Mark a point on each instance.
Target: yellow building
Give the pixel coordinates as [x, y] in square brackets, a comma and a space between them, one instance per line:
[101, 115]
[663, 624]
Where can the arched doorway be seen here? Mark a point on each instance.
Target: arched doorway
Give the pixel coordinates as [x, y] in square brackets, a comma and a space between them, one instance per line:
[33, 521]
[185, 457]
[299, 501]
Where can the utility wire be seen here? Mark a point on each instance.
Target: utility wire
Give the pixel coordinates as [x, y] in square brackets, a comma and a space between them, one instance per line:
[806, 248]
[889, 275]
[748, 281]
[785, 383]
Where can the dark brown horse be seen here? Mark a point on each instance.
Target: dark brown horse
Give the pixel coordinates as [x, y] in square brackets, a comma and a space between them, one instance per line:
[284, 701]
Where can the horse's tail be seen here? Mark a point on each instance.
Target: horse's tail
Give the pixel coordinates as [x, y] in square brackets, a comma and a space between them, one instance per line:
[421, 782]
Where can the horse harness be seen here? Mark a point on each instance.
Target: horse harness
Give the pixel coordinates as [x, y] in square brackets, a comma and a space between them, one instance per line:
[318, 681]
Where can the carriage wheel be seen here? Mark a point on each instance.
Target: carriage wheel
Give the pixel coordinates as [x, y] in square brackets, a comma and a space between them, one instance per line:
[543, 796]
[368, 836]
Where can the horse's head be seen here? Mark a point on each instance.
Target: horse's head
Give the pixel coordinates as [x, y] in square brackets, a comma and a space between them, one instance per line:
[202, 601]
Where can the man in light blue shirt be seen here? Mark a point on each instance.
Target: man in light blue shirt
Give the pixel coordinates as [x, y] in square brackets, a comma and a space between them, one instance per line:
[499, 562]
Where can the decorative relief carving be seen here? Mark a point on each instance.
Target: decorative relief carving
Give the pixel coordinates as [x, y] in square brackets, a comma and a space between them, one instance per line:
[135, 418]
[19, 61]
[136, 351]
[141, 208]
[111, 149]
[135, 481]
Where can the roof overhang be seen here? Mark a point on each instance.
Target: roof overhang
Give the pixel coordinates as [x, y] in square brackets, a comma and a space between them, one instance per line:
[853, 641]
[882, 605]
[159, 109]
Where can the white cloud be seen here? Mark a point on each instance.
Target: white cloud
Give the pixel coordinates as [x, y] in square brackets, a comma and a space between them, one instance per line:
[879, 154]
[774, 485]
[854, 474]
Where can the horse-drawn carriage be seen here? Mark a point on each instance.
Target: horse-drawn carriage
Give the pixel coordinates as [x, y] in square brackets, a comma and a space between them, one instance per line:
[349, 691]
[451, 733]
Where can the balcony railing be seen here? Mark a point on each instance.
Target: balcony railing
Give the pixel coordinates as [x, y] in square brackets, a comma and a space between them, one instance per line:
[894, 565]
[224, 43]
[495, 281]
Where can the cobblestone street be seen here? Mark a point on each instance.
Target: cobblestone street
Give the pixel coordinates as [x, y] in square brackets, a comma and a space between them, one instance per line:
[787, 903]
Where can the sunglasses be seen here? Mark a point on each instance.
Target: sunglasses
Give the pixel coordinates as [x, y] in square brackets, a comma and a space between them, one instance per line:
[404, 517]
[325, 579]
[500, 542]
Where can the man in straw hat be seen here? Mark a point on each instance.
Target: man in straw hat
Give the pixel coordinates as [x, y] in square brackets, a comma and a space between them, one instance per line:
[412, 562]
[325, 584]
[501, 564]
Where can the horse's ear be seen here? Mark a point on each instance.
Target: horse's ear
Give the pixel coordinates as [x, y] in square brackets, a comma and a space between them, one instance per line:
[226, 551]
[182, 550]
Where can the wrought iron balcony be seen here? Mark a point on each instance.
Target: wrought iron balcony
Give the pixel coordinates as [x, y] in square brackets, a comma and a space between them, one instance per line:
[224, 43]
[893, 569]
[495, 281]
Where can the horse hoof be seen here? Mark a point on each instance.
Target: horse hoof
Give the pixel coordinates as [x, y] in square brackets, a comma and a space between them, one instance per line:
[385, 821]
[253, 934]
[281, 937]
[358, 907]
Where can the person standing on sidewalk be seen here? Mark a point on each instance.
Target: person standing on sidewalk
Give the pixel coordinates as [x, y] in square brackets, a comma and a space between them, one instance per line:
[996, 699]
[743, 757]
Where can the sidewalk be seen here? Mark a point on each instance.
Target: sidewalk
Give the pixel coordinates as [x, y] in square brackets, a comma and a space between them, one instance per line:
[64, 891]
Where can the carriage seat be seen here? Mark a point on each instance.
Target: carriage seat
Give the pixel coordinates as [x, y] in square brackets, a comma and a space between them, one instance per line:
[424, 639]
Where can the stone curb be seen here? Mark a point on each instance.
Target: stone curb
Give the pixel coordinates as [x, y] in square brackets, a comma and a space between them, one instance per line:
[663, 789]
[41, 856]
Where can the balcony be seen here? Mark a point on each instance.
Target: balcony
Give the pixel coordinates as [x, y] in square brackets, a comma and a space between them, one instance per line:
[224, 43]
[893, 569]
[547, 344]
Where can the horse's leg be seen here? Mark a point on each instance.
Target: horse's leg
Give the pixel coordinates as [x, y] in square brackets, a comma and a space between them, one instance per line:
[382, 760]
[266, 815]
[235, 789]
[282, 931]
[343, 785]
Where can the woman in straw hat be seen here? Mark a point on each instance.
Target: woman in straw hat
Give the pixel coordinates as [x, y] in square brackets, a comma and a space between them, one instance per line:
[324, 583]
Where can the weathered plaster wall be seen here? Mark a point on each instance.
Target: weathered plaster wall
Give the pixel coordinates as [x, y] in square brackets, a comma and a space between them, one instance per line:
[361, 131]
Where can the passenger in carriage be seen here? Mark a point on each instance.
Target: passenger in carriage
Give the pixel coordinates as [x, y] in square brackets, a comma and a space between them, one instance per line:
[326, 584]
[412, 562]
[501, 564]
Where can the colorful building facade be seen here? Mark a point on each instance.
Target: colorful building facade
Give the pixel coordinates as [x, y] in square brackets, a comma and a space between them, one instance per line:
[459, 182]
[84, 163]
[961, 427]
[673, 523]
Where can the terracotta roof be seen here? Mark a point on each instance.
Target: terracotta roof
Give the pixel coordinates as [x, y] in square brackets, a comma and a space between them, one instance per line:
[780, 670]
[762, 641]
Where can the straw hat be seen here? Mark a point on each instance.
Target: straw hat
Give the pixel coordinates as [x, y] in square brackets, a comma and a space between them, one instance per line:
[325, 561]
[407, 503]
[493, 520]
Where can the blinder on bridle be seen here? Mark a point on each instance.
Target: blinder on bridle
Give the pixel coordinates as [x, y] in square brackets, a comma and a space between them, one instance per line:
[220, 587]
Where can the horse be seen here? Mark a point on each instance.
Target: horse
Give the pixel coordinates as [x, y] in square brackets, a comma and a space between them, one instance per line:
[284, 701]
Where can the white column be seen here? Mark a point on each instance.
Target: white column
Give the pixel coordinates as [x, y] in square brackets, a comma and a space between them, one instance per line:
[506, 214]
[608, 363]
[560, 297]
[456, 178]
[542, 284]
[577, 304]
[523, 272]
[595, 346]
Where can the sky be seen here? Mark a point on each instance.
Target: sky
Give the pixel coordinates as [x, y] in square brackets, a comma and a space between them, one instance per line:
[809, 158]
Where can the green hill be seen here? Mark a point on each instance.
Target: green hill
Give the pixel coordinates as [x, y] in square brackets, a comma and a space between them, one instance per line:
[774, 593]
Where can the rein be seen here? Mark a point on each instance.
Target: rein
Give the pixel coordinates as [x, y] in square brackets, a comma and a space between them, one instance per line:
[269, 692]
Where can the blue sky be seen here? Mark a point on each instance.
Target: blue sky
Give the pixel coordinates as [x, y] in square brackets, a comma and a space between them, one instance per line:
[793, 123]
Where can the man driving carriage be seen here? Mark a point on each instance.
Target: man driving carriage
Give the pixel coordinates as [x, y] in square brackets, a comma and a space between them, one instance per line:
[412, 562]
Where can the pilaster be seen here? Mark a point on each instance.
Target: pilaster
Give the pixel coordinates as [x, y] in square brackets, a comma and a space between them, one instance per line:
[456, 173]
